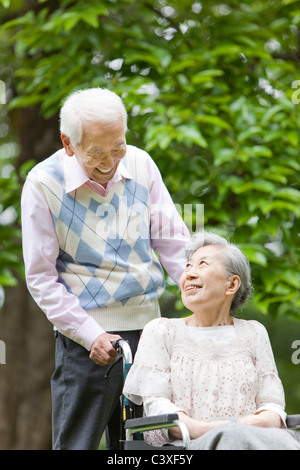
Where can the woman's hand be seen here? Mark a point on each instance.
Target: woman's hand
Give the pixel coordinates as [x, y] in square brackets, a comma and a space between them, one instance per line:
[195, 428]
[264, 419]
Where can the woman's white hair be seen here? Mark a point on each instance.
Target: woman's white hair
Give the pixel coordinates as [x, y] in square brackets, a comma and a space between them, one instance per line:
[234, 259]
[87, 106]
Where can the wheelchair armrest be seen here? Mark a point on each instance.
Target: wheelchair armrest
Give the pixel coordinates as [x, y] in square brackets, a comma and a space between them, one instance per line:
[151, 421]
[293, 421]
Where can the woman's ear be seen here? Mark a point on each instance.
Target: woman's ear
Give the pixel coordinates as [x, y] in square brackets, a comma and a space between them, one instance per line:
[67, 145]
[234, 283]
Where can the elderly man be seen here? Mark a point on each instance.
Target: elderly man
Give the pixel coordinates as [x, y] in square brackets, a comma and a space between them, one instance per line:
[93, 216]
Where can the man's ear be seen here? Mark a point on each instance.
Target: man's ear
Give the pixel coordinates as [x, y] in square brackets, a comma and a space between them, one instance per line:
[234, 283]
[67, 145]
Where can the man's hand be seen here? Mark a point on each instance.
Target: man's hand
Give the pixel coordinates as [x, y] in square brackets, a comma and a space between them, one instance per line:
[102, 350]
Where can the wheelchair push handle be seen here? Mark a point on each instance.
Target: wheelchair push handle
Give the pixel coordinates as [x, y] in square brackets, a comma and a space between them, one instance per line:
[124, 349]
[124, 354]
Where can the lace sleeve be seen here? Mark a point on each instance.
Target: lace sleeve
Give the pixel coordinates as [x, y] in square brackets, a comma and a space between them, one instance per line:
[270, 395]
[149, 376]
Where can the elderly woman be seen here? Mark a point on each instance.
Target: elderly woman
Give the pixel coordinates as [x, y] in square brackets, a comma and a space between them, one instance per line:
[216, 371]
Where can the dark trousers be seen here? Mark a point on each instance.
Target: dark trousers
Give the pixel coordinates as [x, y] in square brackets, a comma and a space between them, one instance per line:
[84, 402]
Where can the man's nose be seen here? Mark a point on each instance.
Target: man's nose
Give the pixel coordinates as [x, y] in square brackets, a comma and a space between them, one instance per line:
[108, 161]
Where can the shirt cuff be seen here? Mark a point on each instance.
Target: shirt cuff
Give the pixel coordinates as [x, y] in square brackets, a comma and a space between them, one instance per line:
[277, 409]
[87, 333]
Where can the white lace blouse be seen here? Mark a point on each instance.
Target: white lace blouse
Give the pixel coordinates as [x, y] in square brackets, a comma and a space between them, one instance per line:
[208, 378]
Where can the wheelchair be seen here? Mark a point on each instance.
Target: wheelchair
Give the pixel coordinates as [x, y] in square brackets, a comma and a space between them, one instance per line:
[133, 424]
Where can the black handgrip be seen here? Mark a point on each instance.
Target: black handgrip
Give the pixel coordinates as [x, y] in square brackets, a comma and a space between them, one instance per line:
[115, 343]
[118, 359]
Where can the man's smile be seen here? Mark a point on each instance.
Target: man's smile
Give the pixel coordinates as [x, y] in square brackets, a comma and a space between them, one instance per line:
[104, 171]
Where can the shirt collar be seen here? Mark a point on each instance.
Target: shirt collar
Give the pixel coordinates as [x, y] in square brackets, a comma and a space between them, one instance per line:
[75, 176]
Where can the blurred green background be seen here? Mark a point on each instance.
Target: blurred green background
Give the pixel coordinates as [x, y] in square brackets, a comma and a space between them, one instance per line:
[212, 90]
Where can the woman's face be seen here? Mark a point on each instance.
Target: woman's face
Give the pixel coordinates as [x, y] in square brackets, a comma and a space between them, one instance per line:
[205, 281]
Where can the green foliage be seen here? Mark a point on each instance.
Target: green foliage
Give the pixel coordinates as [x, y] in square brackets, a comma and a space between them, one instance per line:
[209, 91]
[10, 235]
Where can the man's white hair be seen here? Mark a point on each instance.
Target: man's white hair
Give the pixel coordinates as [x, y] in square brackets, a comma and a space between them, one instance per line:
[88, 106]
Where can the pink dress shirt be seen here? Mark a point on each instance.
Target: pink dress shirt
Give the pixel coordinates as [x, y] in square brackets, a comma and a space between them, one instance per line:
[41, 247]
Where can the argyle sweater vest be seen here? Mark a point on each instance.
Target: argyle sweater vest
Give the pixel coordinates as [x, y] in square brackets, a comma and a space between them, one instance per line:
[105, 255]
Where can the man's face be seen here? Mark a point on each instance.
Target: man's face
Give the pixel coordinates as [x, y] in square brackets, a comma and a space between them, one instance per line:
[102, 148]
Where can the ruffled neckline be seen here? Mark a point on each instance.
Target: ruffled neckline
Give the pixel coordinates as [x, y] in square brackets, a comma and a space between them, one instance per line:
[209, 347]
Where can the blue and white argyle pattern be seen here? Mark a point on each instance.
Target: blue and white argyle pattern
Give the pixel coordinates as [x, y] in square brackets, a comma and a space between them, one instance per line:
[105, 255]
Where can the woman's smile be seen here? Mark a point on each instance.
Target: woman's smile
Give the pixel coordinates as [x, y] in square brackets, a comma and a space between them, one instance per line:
[192, 287]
